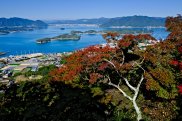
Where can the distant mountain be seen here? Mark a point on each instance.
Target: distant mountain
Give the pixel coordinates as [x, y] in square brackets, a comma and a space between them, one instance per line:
[80, 21]
[20, 22]
[134, 21]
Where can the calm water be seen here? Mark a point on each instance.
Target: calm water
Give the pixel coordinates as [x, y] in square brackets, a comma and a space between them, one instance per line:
[24, 42]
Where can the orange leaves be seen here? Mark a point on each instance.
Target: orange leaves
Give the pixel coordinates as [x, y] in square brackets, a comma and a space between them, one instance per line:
[82, 61]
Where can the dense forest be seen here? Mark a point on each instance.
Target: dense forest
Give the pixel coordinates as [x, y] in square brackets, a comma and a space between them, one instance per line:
[124, 83]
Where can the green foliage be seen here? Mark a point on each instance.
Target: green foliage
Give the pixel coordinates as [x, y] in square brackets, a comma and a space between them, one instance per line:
[122, 116]
[17, 74]
[97, 91]
[63, 61]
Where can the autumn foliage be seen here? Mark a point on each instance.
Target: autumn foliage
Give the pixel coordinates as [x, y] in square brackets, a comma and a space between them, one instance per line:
[82, 61]
[161, 61]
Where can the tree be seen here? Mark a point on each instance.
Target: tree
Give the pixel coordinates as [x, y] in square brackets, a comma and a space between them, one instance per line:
[155, 72]
[135, 89]
[92, 65]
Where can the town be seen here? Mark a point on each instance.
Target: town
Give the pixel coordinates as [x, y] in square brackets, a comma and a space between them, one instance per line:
[12, 65]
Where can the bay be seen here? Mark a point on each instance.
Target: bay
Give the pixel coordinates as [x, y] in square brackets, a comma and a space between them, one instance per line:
[25, 42]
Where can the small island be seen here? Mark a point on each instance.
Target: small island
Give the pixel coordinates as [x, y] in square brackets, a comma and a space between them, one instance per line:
[89, 32]
[67, 37]
[60, 37]
[76, 32]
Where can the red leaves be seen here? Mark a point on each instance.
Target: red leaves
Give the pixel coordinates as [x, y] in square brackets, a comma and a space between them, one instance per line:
[180, 49]
[103, 66]
[174, 62]
[94, 77]
[124, 44]
[129, 41]
[82, 61]
[111, 35]
[180, 89]
[180, 65]
[144, 37]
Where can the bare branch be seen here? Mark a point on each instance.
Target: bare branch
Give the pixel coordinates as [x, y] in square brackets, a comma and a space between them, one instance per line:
[129, 85]
[137, 89]
[142, 60]
[110, 63]
[140, 66]
[119, 83]
[140, 82]
[116, 86]
[113, 66]
[127, 82]
[123, 58]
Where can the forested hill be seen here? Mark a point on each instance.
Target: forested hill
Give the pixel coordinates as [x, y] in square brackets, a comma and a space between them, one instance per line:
[134, 21]
[20, 22]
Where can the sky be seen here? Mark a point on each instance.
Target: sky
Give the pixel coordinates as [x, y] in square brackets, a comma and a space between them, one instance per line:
[76, 9]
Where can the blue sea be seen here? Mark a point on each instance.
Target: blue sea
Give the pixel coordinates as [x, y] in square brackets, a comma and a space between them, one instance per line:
[25, 42]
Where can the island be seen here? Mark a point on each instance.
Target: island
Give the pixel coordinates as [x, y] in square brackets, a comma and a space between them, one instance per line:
[76, 32]
[67, 37]
[44, 40]
[60, 37]
[89, 32]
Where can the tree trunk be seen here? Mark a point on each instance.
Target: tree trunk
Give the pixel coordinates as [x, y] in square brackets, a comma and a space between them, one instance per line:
[139, 114]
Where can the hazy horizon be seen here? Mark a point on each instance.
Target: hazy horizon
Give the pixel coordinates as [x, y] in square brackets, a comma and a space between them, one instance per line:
[79, 9]
[78, 18]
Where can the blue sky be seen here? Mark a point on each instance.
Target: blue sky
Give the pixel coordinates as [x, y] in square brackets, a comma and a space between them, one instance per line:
[75, 9]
